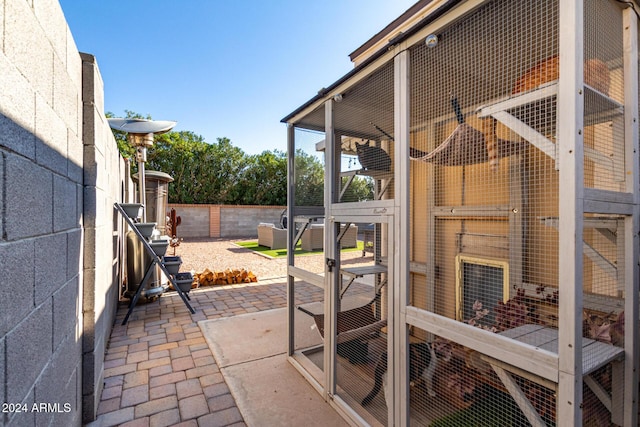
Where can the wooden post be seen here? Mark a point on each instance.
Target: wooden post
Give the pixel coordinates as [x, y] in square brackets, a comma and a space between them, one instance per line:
[571, 198]
[291, 197]
[331, 252]
[399, 235]
[632, 222]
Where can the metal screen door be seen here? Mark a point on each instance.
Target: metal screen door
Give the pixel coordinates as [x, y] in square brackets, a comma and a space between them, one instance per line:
[359, 331]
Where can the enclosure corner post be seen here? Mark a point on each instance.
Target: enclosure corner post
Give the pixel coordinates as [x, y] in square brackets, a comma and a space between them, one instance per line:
[571, 205]
[331, 287]
[632, 222]
[399, 291]
[291, 187]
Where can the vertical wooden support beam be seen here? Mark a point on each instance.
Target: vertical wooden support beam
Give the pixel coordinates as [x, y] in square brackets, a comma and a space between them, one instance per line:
[400, 283]
[431, 224]
[632, 223]
[331, 251]
[571, 198]
[517, 183]
[291, 231]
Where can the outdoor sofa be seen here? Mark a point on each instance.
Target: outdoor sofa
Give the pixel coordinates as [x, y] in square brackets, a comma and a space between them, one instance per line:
[271, 236]
[313, 237]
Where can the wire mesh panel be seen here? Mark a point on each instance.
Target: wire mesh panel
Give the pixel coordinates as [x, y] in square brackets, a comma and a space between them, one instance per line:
[364, 146]
[603, 233]
[484, 194]
[308, 187]
[453, 386]
[482, 186]
[309, 327]
[363, 120]
[604, 96]
[361, 329]
[484, 223]
[309, 168]
[603, 324]
[307, 234]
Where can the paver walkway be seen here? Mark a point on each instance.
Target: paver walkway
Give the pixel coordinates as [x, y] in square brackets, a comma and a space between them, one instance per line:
[159, 370]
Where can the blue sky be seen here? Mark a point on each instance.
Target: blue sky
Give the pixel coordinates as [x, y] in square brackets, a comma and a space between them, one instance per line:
[223, 68]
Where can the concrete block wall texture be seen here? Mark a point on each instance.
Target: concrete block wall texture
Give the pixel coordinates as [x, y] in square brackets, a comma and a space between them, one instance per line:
[195, 220]
[202, 221]
[242, 221]
[104, 176]
[52, 211]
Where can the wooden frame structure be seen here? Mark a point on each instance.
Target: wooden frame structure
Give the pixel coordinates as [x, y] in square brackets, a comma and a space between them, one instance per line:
[556, 356]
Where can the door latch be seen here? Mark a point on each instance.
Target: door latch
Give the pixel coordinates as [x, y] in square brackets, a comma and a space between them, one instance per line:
[330, 264]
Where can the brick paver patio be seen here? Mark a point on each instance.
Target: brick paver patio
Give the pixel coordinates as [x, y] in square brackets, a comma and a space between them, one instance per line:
[159, 370]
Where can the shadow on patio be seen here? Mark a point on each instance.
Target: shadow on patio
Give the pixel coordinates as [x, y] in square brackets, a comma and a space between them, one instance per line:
[159, 369]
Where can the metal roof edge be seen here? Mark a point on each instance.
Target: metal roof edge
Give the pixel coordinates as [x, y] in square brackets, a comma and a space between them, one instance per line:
[413, 10]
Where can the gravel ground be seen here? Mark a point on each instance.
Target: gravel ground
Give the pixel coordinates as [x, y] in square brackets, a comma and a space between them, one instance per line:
[222, 254]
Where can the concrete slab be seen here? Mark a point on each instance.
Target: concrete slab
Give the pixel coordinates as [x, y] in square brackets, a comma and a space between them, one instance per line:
[250, 350]
[254, 336]
[271, 392]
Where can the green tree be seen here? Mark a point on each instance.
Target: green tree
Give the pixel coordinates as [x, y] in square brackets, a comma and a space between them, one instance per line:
[176, 153]
[264, 181]
[309, 182]
[202, 172]
[360, 189]
[309, 179]
[224, 165]
[220, 173]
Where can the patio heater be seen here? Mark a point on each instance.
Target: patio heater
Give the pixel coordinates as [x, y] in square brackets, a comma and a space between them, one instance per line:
[140, 134]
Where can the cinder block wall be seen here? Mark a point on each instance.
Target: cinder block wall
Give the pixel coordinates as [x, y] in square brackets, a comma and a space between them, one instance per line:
[242, 221]
[223, 221]
[105, 183]
[54, 209]
[194, 219]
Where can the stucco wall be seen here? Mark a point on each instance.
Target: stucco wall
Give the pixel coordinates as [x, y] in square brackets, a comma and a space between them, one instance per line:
[56, 243]
[224, 221]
